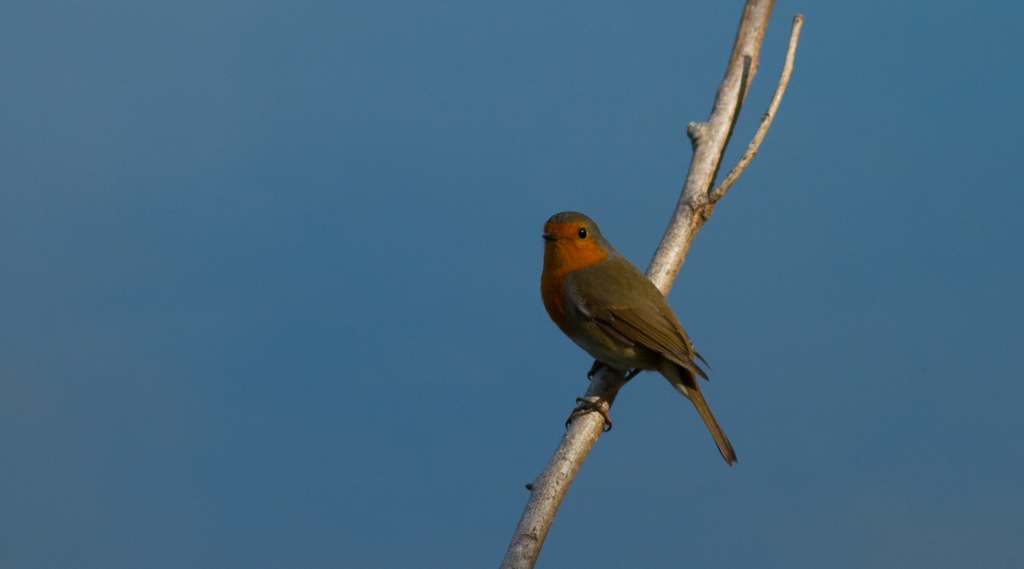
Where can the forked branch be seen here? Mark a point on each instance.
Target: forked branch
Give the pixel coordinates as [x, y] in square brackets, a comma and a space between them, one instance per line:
[766, 120]
[693, 209]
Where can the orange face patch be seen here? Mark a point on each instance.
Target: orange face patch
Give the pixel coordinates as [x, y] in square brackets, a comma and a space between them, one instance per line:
[567, 252]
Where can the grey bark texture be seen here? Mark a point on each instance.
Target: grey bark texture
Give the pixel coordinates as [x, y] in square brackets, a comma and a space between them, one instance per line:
[694, 207]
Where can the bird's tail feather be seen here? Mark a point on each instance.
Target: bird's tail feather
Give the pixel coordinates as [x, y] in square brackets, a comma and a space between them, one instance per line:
[685, 383]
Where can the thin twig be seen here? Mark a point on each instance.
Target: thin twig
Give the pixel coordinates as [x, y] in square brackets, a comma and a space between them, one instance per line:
[766, 120]
[709, 141]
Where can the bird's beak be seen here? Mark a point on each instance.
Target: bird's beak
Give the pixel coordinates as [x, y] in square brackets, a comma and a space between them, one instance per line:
[549, 236]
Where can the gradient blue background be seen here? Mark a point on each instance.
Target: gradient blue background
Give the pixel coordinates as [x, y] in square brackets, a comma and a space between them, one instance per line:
[269, 285]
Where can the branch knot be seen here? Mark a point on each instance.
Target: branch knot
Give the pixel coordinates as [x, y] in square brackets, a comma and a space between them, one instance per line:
[695, 131]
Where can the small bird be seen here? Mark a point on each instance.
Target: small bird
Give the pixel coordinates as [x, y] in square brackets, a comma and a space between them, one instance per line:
[614, 312]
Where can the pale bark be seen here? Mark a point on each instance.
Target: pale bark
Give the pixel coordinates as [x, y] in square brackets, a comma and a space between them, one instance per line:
[693, 209]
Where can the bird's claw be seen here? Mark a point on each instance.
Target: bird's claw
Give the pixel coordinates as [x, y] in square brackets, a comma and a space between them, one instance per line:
[594, 369]
[584, 406]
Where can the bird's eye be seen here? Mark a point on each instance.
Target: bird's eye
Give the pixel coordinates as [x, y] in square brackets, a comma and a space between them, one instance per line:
[582, 233]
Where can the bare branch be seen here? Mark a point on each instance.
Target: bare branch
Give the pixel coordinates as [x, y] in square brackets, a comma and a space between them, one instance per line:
[548, 489]
[766, 120]
[709, 141]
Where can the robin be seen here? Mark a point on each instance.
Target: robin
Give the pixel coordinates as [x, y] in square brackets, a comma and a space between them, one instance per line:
[614, 312]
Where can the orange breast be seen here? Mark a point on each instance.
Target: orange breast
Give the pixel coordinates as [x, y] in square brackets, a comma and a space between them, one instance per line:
[562, 256]
[552, 292]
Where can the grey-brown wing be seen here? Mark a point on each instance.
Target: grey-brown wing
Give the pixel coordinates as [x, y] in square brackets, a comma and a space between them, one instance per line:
[646, 325]
[653, 330]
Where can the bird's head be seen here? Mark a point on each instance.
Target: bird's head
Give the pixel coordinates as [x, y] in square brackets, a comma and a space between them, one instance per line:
[572, 241]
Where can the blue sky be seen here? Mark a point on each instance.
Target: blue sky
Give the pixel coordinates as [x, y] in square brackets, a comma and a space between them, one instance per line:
[270, 282]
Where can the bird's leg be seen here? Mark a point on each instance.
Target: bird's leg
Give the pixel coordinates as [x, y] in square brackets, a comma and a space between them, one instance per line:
[584, 406]
[611, 394]
[594, 369]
